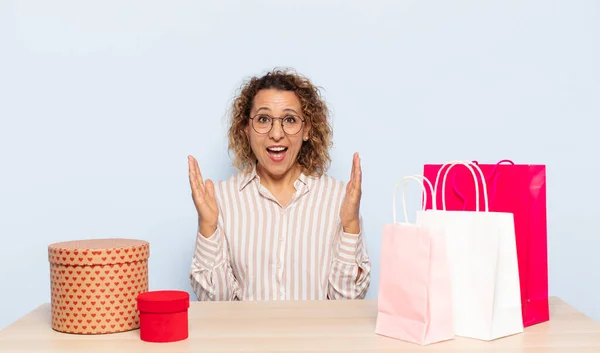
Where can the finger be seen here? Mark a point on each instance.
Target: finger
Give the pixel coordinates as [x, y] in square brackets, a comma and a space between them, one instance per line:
[352, 171]
[192, 174]
[197, 174]
[197, 170]
[358, 173]
[210, 189]
[196, 185]
[354, 180]
[197, 191]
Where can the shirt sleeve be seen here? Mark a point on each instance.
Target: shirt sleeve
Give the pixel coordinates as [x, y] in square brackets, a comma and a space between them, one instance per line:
[350, 274]
[211, 275]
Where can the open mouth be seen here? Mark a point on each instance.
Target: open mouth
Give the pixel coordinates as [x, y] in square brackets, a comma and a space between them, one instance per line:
[276, 153]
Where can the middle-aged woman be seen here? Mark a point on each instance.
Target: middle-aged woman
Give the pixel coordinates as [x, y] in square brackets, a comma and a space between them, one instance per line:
[281, 228]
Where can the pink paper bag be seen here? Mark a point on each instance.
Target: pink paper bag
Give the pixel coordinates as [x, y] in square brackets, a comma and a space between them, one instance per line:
[415, 294]
[519, 189]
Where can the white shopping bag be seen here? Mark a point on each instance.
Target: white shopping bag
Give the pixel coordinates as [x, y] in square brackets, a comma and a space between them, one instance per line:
[484, 270]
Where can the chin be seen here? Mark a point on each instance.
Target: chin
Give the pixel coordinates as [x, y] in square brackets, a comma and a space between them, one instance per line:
[279, 168]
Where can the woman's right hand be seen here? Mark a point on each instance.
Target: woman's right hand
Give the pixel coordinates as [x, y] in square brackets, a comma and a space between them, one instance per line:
[204, 199]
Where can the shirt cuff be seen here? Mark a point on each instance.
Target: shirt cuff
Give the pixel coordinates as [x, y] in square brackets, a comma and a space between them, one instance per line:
[348, 246]
[209, 251]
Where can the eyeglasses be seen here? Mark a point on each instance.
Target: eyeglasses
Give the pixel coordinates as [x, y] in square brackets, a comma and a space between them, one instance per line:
[291, 124]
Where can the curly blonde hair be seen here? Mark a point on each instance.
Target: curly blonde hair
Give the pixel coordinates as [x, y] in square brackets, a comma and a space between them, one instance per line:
[314, 153]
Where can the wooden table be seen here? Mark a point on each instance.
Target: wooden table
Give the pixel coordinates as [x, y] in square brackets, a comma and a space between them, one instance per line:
[298, 326]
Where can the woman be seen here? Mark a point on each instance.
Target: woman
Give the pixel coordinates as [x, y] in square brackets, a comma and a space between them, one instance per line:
[280, 228]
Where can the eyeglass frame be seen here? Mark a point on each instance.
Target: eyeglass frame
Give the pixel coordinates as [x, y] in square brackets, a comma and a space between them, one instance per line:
[273, 118]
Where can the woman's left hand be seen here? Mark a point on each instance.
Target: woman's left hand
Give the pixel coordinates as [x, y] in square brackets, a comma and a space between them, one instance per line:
[349, 212]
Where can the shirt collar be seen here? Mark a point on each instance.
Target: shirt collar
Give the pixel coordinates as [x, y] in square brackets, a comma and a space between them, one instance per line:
[246, 178]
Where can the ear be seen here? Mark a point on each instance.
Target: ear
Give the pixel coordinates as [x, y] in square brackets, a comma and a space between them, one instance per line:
[306, 130]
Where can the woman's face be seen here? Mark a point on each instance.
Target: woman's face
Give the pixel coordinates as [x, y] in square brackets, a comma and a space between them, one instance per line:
[277, 148]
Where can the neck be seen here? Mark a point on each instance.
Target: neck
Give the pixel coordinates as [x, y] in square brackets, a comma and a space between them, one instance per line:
[277, 183]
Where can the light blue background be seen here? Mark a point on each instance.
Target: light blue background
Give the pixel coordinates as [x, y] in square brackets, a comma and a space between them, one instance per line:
[101, 102]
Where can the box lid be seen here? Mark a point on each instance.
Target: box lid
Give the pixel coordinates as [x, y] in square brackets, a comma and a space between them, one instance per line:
[98, 251]
[163, 301]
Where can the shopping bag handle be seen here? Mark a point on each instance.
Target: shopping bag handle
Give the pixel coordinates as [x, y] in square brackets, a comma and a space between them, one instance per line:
[418, 178]
[471, 166]
[495, 181]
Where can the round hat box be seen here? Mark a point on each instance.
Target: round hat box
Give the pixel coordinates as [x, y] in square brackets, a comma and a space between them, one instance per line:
[95, 283]
[163, 315]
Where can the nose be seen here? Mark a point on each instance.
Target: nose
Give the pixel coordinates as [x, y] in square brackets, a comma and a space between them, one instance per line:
[276, 132]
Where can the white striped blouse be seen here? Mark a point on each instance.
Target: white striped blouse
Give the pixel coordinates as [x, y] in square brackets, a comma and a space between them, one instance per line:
[263, 251]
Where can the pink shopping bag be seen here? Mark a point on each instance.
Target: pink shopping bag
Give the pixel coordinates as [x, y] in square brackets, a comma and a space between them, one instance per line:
[519, 189]
[415, 295]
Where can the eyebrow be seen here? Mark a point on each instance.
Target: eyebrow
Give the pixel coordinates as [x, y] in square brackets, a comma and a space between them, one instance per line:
[285, 110]
[290, 110]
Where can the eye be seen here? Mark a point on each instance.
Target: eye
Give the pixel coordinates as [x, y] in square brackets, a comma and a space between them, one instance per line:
[291, 119]
[263, 119]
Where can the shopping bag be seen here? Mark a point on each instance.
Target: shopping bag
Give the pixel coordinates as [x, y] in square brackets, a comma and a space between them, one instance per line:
[414, 303]
[483, 263]
[519, 189]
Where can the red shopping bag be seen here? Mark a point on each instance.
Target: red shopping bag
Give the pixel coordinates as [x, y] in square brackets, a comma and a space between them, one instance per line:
[519, 189]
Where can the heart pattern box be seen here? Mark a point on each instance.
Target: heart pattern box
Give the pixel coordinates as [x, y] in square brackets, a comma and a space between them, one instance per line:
[95, 283]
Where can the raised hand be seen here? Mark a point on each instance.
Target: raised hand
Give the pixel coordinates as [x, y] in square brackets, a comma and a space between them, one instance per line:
[349, 212]
[203, 194]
